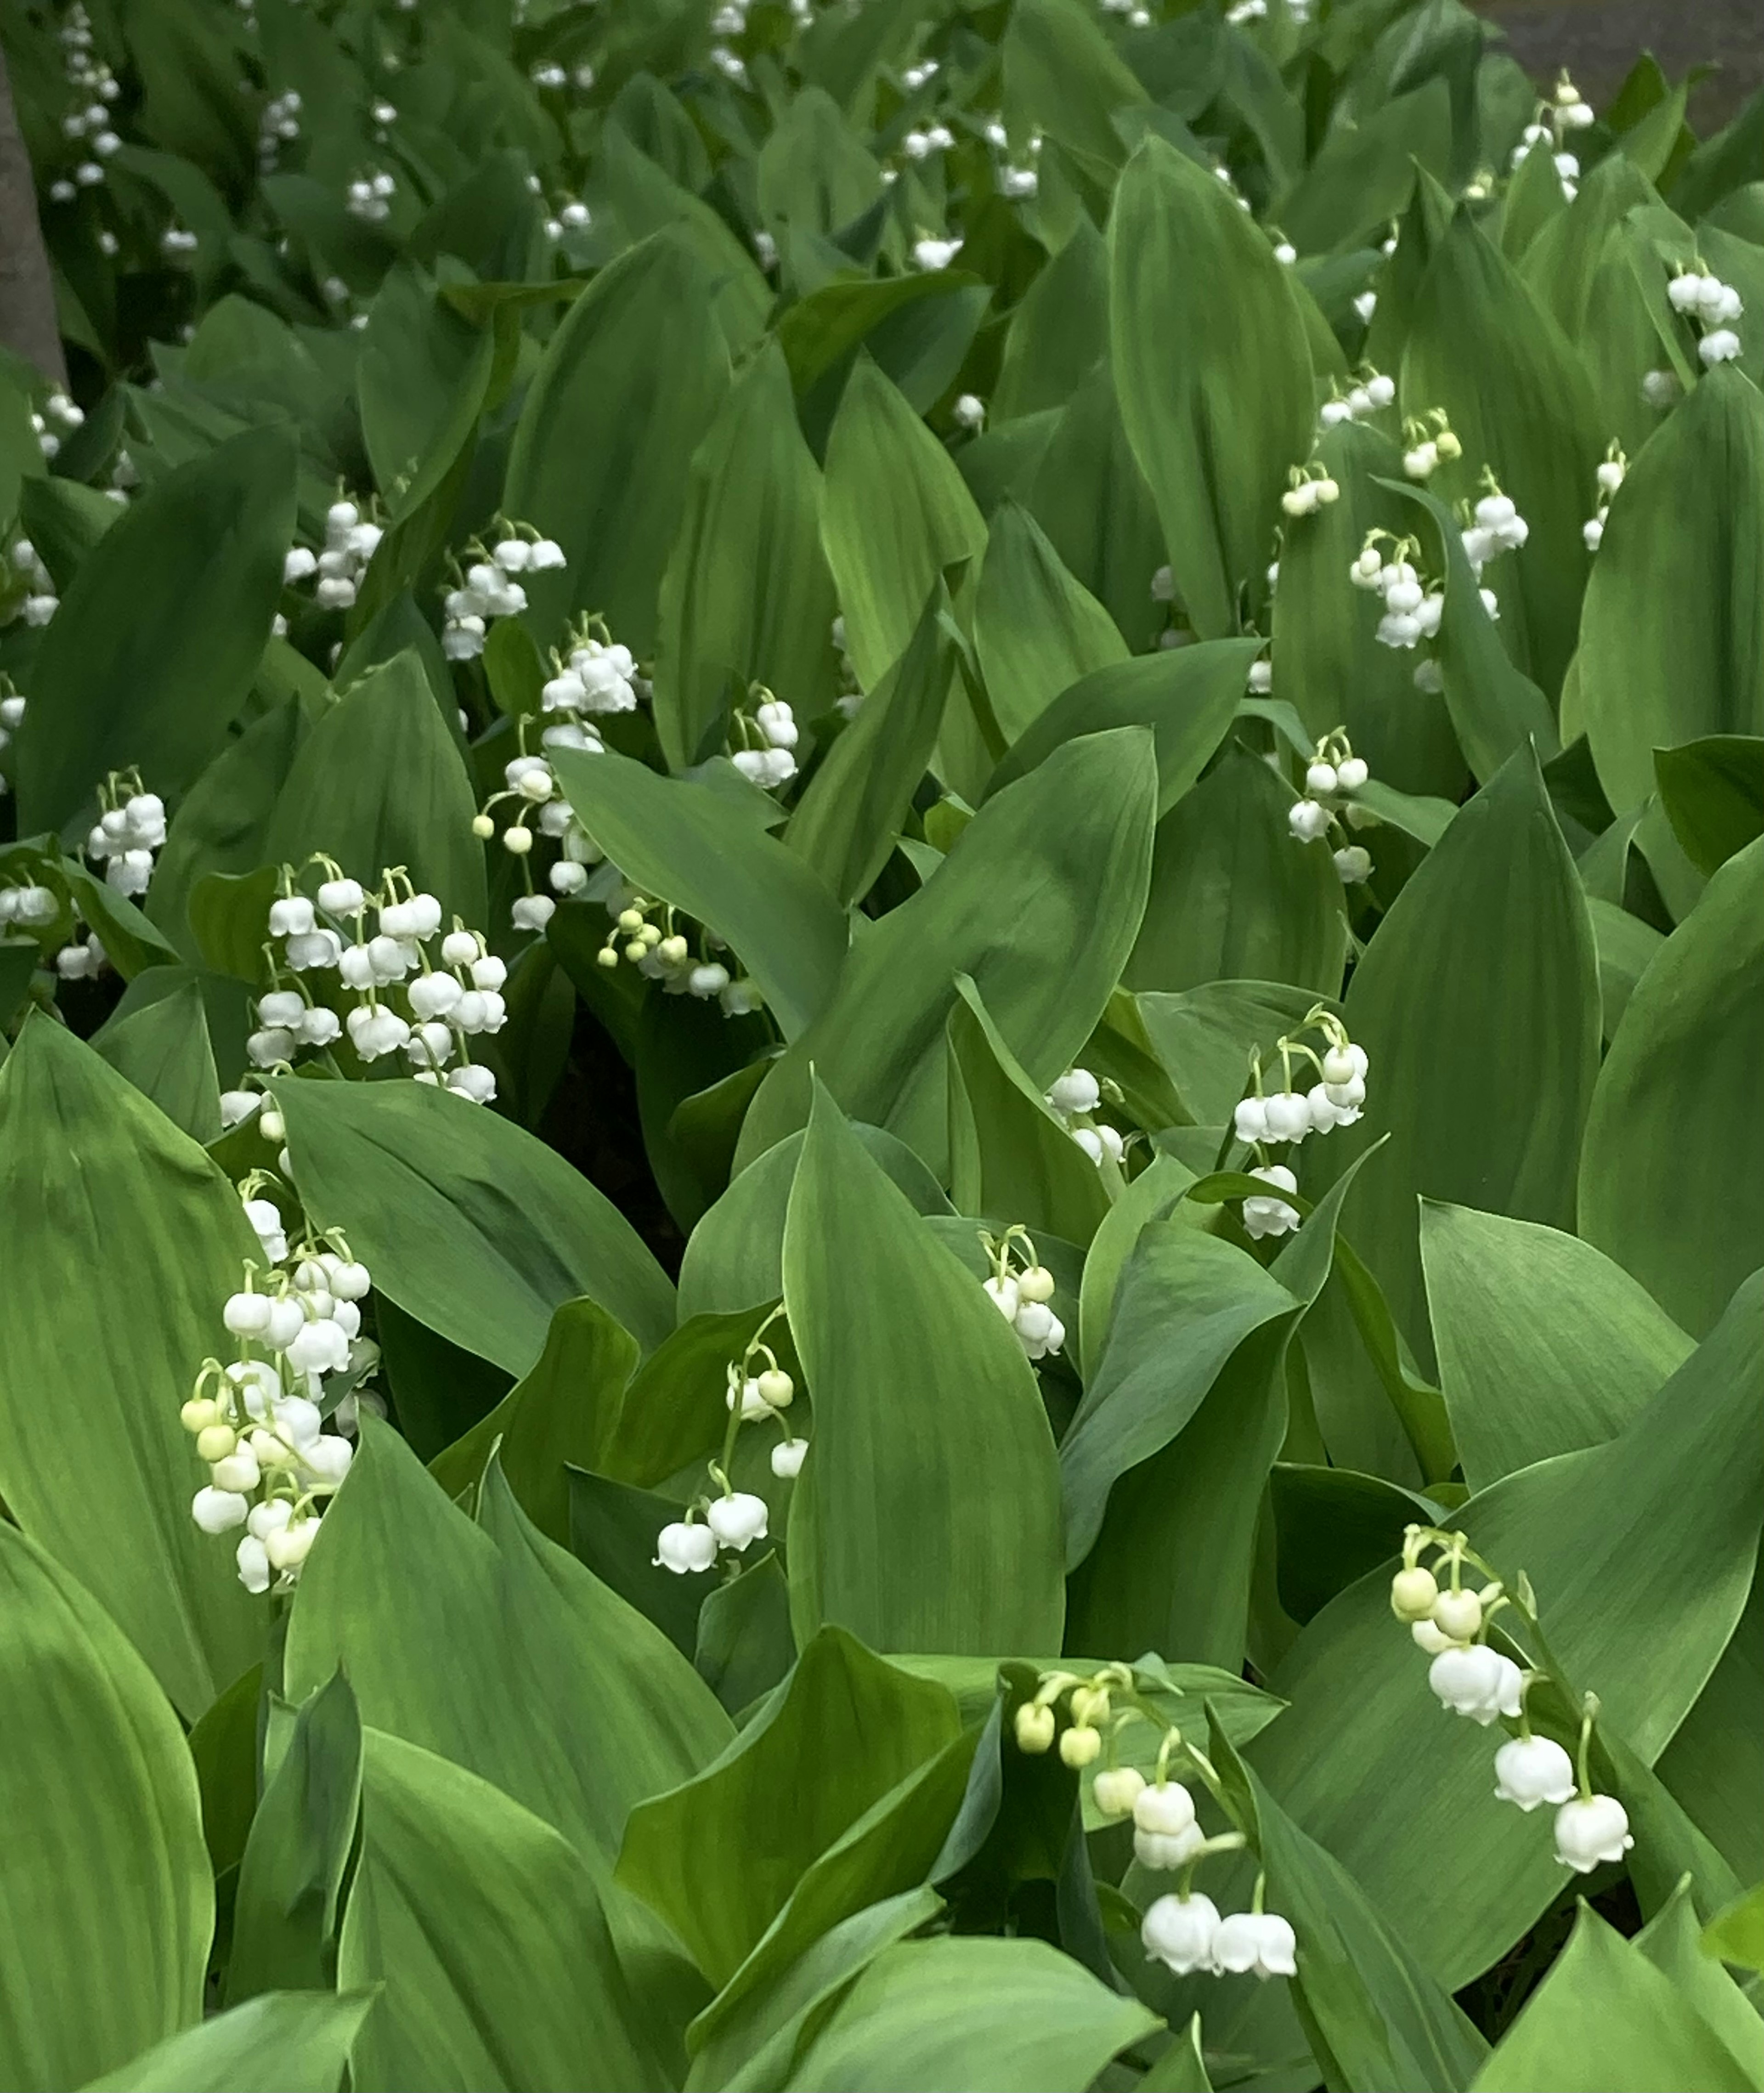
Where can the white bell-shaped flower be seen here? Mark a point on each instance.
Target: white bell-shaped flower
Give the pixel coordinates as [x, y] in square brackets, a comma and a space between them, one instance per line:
[1270, 1216]
[1478, 1682]
[1076, 1091]
[1530, 1770]
[1116, 1789]
[1351, 773]
[1307, 820]
[327, 1459]
[787, 1459]
[290, 916]
[1249, 1118]
[737, 1520]
[681, 1547]
[313, 952]
[1287, 1114]
[247, 1315]
[216, 1511]
[1003, 1294]
[1590, 1829]
[253, 1561]
[238, 1471]
[1261, 1942]
[287, 1549]
[533, 912]
[1179, 1932]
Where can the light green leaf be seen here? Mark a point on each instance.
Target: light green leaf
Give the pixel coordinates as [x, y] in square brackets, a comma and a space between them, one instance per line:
[1215, 391]
[282, 2041]
[631, 382]
[1204, 1038]
[894, 515]
[485, 1930]
[745, 595]
[1057, 864]
[470, 1225]
[695, 846]
[1037, 630]
[98, 1959]
[1659, 1189]
[988, 2015]
[164, 1051]
[935, 1483]
[838, 1734]
[1544, 1345]
[125, 674]
[102, 1200]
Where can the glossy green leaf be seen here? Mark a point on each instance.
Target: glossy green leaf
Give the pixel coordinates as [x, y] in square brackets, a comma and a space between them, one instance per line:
[1057, 864]
[846, 823]
[1604, 2017]
[746, 596]
[126, 675]
[995, 2016]
[1037, 630]
[468, 1224]
[1658, 1191]
[842, 1729]
[486, 1932]
[379, 781]
[933, 1468]
[281, 2042]
[601, 461]
[1204, 1038]
[163, 1050]
[103, 1199]
[506, 1656]
[1544, 1345]
[894, 515]
[1216, 392]
[98, 1959]
[695, 846]
[1712, 791]
[1489, 1094]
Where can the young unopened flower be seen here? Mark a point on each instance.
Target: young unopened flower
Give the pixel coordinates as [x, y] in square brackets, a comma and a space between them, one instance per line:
[1457, 1614]
[1530, 1770]
[1080, 1746]
[1117, 1788]
[1035, 1726]
[787, 1456]
[1590, 1829]
[1179, 1932]
[1478, 1682]
[1413, 1592]
[1076, 1091]
[1308, 822]
[1165, 1834]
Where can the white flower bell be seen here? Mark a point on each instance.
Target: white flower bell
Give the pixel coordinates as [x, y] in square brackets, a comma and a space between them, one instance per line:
[682, 1547]
[1590, 1829]
[1165, 1834]
[1258, 1941]
[1530, 1770]
[1180, 1931]
[1271, 1216]
[737, 1520]
[1478, 1682]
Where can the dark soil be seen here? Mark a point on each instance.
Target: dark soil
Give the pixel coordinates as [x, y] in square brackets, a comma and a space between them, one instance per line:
[1598, 41]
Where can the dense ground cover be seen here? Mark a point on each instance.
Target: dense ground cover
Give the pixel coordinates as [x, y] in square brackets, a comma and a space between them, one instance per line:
[880, 973]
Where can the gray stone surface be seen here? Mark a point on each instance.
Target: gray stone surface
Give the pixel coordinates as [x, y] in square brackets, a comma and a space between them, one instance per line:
[1598, 40]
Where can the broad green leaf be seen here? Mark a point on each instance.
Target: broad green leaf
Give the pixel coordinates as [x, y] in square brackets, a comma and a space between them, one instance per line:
[1605, 2016]
[1544, 1345]
[1057, 864]
[419, 357]
[105, 1901]
[281, 2042]
[1009, 1152]
[646, 201]
[1187, 696]
[813, 174]
[1215, 389]
[1485, 1096]
[1672, 1942]
[1641, 1552]
[894, 515]
[379, 781]
[505, 1655]
[563, 1412]
[102, 1200]
[1148, 1197]
[485, 1932]
[290, 1876]
[1234, 896]
[690, 844]
[936, 1489]
[1712, 791]
[1059, 330]
[835, 1738]
[1327, 658]
[1714, 1765]
[1658, 1190]
[991, 2016]
[746, 596]
[127, 675]
[470, 1225]
[1204, 1038]
[164, 1051]
[1737, 1933]
[1538, 431]
[1037, 630]
[1064, 76]
[1671, 648]
[846, 823]
[629, 383]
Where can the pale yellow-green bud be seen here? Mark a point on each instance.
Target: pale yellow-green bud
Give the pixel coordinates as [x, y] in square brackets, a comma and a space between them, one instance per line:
[199, 1413]
[482, 827]
[1035, 1727]
[1080, 1745]
[777, 1389]
[1412, 1594]
[214, 1442]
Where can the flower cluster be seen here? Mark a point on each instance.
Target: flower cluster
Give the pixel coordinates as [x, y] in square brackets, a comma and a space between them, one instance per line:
[369, 197]
[351, 541]
[88, 125]
[1412, 609]
[540, 810]
[931, 253]
[58, 417]
[1021, 1289]
[278, 125]
[1713, 306]
[1184, 1930]
[489, 586]
[30, 593]
[724, 1519]
[11, 717]
[394, 994]
[662, 952]
[130, 828]
[1289, 1114]
[768, 736]
[1073, 1101]
[1450, 1623]
[571, 214]
[1498, 528]
[1612, 469]
[258, 1419]
[1310, 489]
[1334, 775]
[1366, 396]
[1427, 443]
